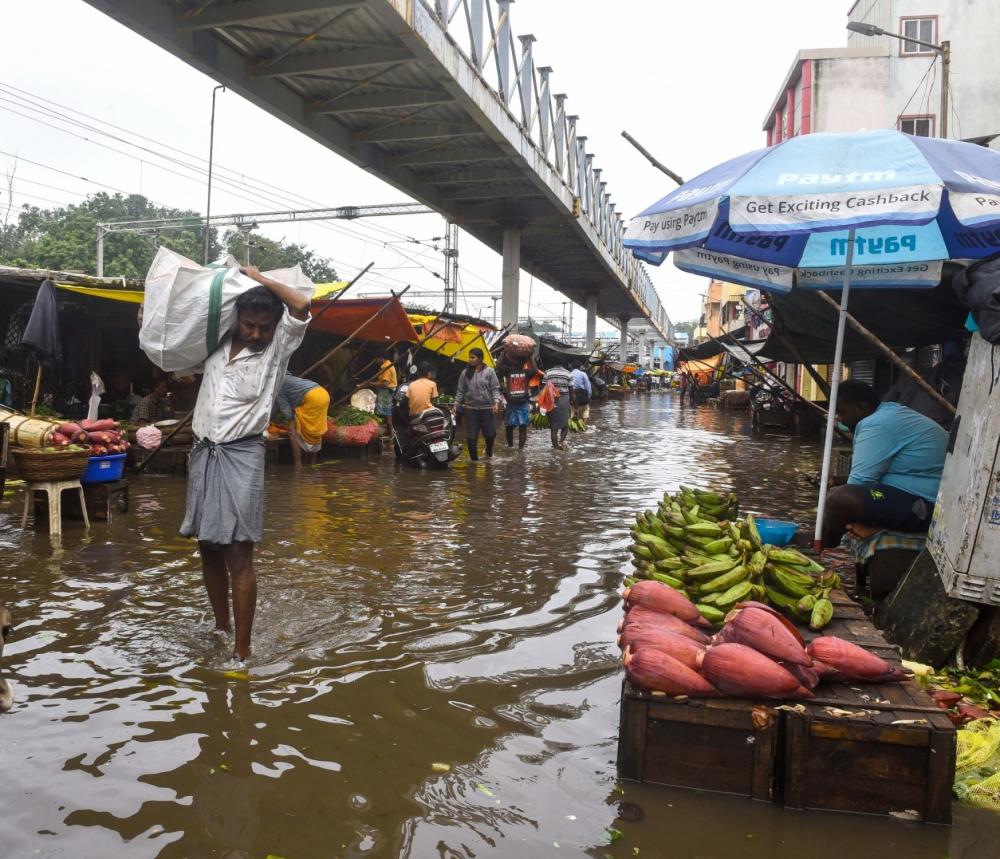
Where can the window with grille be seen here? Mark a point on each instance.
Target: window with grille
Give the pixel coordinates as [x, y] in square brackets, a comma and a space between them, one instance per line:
[918, 126]
[918, 28]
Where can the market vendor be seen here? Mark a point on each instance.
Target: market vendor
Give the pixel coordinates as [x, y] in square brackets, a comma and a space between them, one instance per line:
[225, 511]
[385, 386]
[895, 470]
[515, 376]
[305, 403]
[157, 405]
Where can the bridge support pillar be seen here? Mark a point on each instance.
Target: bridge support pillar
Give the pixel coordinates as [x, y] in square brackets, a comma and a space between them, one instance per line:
[591, 320]
[623, 343]
[511, 272]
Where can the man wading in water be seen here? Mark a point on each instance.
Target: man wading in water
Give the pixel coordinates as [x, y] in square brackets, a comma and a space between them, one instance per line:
[225, 498]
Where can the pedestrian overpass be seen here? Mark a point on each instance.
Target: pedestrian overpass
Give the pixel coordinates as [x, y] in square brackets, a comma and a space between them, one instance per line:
[443, 102]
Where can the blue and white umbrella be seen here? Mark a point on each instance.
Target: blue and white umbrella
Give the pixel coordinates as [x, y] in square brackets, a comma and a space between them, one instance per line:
[865, 209]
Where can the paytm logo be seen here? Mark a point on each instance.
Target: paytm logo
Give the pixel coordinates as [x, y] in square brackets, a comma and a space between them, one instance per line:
[874, 246]
[836, 178]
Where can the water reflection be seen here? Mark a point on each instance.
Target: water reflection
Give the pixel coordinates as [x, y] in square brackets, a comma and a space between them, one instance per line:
[433, 673]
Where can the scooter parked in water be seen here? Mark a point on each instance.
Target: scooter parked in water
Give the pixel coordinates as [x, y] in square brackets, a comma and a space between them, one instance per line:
[425, 440]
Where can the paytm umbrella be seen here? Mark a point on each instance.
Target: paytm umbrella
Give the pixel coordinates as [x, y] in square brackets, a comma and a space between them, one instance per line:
[867, 209]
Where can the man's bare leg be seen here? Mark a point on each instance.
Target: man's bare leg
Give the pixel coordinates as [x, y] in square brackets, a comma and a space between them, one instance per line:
[239, 561]
[293, 439]
[213, 571]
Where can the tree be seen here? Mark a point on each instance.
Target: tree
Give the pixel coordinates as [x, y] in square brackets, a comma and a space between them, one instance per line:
[686, 327]
[269, 254]
[65, 238]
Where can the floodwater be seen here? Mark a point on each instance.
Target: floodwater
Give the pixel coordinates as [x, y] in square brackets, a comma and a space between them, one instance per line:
[434, 672]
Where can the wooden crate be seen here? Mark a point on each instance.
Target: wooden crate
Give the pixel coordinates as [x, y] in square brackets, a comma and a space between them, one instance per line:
[725, 745]
[894, 753]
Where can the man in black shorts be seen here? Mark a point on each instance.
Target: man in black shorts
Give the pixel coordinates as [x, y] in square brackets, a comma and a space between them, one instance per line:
[895, 470]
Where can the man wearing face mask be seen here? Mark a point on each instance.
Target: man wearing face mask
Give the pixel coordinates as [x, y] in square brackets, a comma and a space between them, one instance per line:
[226, 470]
[895, 468]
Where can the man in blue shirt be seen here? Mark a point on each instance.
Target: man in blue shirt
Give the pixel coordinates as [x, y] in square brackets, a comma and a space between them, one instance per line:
[581, 393]
[895, 470]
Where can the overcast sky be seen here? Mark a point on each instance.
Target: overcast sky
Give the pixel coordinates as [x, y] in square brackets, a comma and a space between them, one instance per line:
[690, 80]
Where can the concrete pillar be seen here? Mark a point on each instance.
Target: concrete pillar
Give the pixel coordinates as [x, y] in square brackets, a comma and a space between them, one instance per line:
[623, 343]
[510, 278]
[591, 321]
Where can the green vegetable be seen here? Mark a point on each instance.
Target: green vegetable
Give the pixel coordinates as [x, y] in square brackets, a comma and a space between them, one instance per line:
[349, 416]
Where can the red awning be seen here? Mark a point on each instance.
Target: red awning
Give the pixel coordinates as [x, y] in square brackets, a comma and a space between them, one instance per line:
[349, 314]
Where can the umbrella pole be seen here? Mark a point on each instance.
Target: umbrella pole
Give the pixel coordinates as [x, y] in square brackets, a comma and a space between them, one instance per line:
[831, 415]
[38, 389]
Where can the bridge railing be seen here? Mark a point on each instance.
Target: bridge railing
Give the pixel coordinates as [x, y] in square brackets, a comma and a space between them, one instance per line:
[482, 31]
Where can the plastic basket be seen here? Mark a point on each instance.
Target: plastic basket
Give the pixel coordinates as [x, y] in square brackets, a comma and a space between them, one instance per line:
[104, 469]
[777, 532]
[37, 465]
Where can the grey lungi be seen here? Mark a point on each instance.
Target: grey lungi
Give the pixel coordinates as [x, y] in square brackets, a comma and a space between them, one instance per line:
[559, 416]
[225, 494]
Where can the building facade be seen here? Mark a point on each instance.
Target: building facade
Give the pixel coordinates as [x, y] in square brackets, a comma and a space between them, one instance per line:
[883, 82]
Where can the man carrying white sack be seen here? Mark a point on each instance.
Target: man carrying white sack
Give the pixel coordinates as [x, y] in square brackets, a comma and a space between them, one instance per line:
[225, 497]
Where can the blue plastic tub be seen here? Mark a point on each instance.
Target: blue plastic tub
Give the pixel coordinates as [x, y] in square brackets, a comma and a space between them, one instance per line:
[777, 532]
[104, 469]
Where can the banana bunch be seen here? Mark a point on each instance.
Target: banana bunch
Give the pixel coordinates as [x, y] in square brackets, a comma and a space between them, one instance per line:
[577, 425]
[539, 421]
[695, 543]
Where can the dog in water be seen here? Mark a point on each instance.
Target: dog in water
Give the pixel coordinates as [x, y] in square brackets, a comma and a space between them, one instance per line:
[6, 692]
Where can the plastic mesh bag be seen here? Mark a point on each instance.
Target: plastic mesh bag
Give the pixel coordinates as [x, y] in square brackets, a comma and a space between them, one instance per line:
[977, 764]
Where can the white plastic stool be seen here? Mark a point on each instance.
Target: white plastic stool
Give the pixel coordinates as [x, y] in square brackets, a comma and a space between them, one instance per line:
[54, 489]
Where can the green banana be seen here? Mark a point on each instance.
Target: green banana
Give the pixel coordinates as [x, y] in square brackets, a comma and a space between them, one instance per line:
[780, 581]
[711, 569]
[676, 584]
[752, 532]
[674, 531]
[781, 600]
[719, 546]
[704, 529]
[733, 595]
[788, 556]
[667, 565]
[756, 563]
[690, 514]
[641, 552]
[822, 614]
[724, 581]
[629, 581]
[805, 605]
[711, 613]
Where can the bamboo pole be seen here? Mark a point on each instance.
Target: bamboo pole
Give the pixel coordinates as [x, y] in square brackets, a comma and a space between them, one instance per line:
[358, 330]
[652, 160]
[38, 390]
[183, 423]
[330, 302]
[908, 371]
[419, 343]
[821, 383]
[760, 364]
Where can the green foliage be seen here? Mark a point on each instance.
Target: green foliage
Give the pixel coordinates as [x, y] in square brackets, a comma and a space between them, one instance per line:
[65, 239]
[686, 327]
[268, 254]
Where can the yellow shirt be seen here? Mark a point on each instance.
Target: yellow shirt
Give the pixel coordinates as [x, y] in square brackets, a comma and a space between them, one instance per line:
[421, 393]
[387, 376]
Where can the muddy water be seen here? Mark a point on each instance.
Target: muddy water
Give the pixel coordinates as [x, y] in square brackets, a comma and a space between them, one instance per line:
[433, 674]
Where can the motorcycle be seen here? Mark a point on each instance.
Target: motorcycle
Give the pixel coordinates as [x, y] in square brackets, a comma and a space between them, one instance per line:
[425, 440]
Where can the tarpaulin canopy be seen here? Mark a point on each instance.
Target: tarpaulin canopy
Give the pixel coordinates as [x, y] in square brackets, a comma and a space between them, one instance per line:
[349, 314]
[902, 318]
[132, 296]
[450, 338]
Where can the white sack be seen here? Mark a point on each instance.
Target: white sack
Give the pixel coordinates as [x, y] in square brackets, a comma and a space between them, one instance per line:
[175, 318]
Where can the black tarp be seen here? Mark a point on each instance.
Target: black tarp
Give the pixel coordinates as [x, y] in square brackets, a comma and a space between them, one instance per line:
[901, 318]
[42, 330]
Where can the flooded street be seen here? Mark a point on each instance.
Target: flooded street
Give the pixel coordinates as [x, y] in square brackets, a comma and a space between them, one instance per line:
[434, 671]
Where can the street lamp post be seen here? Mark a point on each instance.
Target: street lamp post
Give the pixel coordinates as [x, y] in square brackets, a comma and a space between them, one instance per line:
[494, 299]
[211, 147]
[943, 50]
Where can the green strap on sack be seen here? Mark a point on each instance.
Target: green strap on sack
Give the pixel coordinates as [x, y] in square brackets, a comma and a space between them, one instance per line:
[214, 311]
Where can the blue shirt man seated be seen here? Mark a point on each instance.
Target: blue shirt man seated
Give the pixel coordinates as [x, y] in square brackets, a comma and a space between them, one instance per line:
[895, 470]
